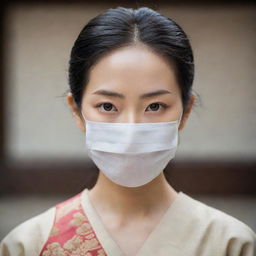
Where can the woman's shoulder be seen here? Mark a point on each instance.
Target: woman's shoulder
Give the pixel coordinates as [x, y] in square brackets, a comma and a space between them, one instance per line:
[216, 217]
[29, 237]
[221, 227]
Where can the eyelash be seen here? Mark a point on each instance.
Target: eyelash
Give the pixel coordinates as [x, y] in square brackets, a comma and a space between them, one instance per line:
[163, 105]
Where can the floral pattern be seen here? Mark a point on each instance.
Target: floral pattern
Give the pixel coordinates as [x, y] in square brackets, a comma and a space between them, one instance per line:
[72, 233]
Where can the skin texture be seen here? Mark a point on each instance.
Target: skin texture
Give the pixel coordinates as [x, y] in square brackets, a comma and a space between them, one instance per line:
[131, 71]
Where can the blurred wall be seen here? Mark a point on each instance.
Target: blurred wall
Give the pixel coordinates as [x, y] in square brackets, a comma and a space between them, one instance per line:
[39, 41]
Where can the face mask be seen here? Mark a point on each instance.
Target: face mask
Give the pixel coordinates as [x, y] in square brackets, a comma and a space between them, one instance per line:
[131, 154]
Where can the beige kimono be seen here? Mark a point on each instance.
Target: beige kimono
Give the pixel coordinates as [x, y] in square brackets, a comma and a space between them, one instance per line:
[188, 228]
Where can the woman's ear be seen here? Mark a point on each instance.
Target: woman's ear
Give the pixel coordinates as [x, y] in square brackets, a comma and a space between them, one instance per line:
[75, 111]
[187, 111]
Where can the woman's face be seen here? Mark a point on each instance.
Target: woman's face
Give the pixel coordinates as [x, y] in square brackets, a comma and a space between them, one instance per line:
[132, 85]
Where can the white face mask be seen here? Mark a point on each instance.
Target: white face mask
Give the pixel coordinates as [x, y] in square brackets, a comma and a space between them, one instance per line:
[131, 154]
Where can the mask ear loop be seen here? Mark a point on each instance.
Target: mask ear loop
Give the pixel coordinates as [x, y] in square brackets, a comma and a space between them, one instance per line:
[83, 116]
[84, 120]
[180, 117]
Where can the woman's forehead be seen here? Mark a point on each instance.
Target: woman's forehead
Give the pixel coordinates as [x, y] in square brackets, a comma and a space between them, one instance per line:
[132, 67]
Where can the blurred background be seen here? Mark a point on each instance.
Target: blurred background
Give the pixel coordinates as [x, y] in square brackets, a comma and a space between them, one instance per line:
[43, 159]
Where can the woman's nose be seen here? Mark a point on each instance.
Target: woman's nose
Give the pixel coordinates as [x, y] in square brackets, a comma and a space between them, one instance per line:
[131, 117]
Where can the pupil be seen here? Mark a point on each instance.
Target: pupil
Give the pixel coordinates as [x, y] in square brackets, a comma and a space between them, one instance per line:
[154, 106]
[107, 106]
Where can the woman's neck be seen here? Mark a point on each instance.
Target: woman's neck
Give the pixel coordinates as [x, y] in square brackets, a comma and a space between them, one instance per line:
[135, 202]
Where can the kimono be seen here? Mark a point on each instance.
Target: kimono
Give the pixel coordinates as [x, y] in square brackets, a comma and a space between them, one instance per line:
[73, 228]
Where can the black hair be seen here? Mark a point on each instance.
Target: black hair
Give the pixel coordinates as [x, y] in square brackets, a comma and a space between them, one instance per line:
[120, 27]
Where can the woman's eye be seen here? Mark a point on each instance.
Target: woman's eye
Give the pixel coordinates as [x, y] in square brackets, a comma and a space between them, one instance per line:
[107, 107]
[156, 106]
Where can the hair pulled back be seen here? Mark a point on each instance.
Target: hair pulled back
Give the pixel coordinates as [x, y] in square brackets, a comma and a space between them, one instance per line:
[120, 27]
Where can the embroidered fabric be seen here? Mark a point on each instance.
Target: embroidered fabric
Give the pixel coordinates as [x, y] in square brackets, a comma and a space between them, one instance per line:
[72, 233]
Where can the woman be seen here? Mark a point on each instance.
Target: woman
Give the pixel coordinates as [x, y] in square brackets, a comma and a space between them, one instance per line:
[130, 76]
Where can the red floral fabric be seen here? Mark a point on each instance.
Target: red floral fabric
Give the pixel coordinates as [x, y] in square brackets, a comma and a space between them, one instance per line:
[72, 234]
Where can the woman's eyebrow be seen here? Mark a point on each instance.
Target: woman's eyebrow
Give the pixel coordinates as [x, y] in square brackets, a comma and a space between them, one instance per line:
[119, 95]
[155, 93]
[109, 93]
